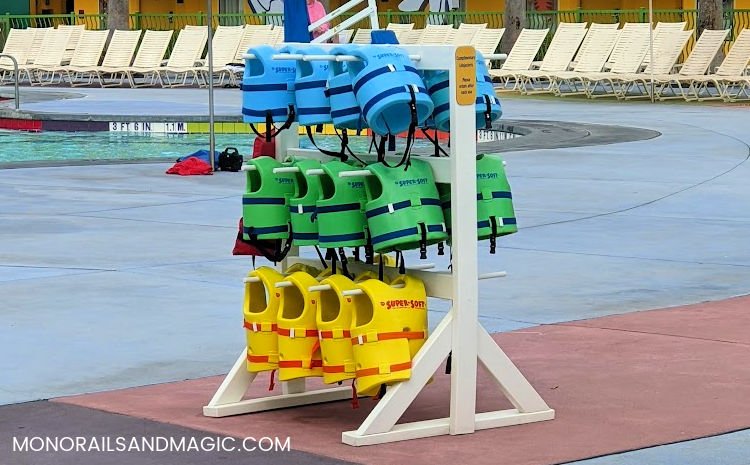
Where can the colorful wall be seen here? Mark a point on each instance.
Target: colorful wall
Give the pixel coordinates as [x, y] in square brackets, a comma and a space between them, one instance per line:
[15, 7]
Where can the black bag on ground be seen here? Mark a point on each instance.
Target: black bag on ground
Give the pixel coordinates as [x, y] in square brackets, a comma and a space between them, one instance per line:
[230, 160]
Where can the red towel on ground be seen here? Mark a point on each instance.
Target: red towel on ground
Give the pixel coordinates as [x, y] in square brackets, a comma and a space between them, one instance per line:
[190, 166]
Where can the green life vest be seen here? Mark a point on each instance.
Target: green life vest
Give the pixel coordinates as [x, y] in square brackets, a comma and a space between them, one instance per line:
[302, 205]
[495, 214]
[265, 204]
[340, 209]
[403, 209]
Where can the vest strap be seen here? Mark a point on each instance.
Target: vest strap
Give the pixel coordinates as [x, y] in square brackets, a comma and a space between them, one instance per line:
[263, 87]
[406, 232]
[253, 231]
[392, 207]
[263, 327]
[341, 237]
[313, 110]
[305, 236]
[346, 368]
[496, 195]
[263, 201]
[310, 84]
[300, 209]
[375, 337]
[345, 112]
[380, 71]
[505, 221]
[383, 370]
[338, 90]
[339, 208]
[300, 364]
[262, 358]
[293, 334]
[335, 334]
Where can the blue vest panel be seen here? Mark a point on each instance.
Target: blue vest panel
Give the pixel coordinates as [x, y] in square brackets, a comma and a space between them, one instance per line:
[345, 111]
[383, 83]
[438, 87]
[313, 106]
[486, 95]
[267, 86]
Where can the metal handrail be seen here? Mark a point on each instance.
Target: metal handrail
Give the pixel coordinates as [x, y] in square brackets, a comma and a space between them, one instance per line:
[15, 75]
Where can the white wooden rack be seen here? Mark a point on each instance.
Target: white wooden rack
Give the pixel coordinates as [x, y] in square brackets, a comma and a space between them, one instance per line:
[459, 333]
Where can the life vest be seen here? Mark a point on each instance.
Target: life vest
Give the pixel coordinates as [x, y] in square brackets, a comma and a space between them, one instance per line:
[312, 103]
[302, 205]
[340, 209]
[299, 352]
[495, 214]
[265, 204]
[267, 87]
[388, 88]
[388, 329]
[260, 309]
[487, 106]
[345, 111]
[403, 208]
[334, 320]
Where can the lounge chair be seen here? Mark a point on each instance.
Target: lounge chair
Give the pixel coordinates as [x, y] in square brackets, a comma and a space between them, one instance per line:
[148, 58]
[462, 36]
[661, 32]
[730, 73]
[472, 26]
[398, 27]
[436, 36]
[50, 55]
[601, 43]
[118, 57]
[589, 35]
[362, 36]
[521, 57]
[75, 36]
[36, 44]
[409, 37]
[486, 41]
[17, 45]
[225, 43]
[182, 61]
[87, 55]
[560, 53]
[630, 32]
[629, 63]
[665, 58]
[671, 85]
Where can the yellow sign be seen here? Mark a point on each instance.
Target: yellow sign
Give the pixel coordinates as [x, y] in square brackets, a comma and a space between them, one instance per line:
[466, 75]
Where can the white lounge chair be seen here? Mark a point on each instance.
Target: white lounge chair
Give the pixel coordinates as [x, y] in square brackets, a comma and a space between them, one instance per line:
[560, 53]
[18, 45]
[88, 53]
[696, 65]
[182, 61]
[601, 43]
[730, 74]
[36, 44]
[50, 54]
[148, 58]
[472, 26]
[75, 35]
[225, 43]
[118, 57]
[629, 63]
[362, 36]
[665, 58]
[521, 56]
[487, 40]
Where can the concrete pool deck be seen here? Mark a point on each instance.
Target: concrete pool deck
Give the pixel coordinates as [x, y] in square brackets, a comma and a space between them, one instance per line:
[106, 271]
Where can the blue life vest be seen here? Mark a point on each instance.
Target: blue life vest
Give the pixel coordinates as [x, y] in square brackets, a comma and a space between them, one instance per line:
[345, 111]
[487, 103]
[267, 87]
[386, 84]
[313, 106]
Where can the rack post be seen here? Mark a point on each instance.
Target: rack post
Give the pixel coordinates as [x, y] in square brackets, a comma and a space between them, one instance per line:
[459, 333]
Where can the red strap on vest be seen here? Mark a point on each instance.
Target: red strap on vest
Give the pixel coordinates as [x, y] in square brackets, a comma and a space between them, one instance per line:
[299, 364]
[257, 358]
[249, 326]
[388, 336]
[335, 369]
[329, 334]
[288, 332]
[376, 371]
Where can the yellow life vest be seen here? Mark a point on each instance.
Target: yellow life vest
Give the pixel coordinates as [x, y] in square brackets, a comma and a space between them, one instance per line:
[334, 321]
[260, 309]
[389, 327]
[299, 352]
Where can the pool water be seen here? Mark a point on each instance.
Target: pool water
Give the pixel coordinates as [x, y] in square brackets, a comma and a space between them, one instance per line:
[16, 146]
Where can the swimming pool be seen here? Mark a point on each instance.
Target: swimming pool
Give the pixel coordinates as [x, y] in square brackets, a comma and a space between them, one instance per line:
[18, 147]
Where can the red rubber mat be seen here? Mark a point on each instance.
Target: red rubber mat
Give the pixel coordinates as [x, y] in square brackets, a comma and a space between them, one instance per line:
[617, 383]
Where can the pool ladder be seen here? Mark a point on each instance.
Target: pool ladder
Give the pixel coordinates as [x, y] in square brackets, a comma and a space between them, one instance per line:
[15, 78]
